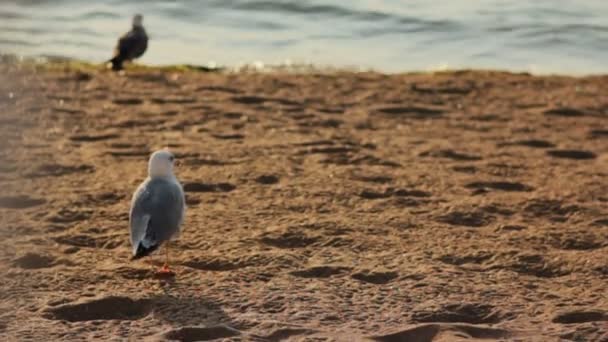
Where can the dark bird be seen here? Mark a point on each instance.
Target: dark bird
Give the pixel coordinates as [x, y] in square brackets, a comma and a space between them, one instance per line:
[131, 45]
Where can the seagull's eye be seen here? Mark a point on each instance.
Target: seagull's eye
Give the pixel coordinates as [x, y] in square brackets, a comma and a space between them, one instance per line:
[171, 158]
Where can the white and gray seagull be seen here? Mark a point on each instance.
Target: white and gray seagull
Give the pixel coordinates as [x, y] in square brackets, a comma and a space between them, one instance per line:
[157, 209]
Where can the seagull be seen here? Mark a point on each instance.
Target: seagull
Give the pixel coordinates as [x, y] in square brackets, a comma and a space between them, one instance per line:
[157, 209]
[131, 45]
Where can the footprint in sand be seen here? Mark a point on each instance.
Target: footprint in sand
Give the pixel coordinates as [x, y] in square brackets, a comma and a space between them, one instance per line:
[67, 110]
[577, 243]
[535, 143]
[133, 273]
[580, 316]
[20, 202]
[208, 187]
[223, 264]
[373, 179]
[600, 222]
[104, 198]
[374, 276]
[599, 133]
[290, 334]
[320, 271]
[466, 258]
[267, 179]
[602, 269]
[249, 100]
[330, 123]
[373, 195]
[565, 112]
[354, 159]
[534, 265]
[450, 154]
[94, 137]
[192, 200]
[443, 88]
[445, 332]
[55, 170]
[288, 239]
[216, 264]
[572, 154]
[473, 313]
[549, 207]
[502, 186]
[391, 192]
[32, 261]
[70, 215]
[219, 89]
[201, 333]
[510, 228]
[412, 112]
[128, 123]
[128, 101]
[473, 219]
[107, 308]
[490, 118]
[228, 136]
[235, 116]
[88, 241]
[330, 147]
[465, 169]
[172, 100]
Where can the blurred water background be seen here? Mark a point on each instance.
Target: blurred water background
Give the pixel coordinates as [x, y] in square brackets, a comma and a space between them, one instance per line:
[539, 36]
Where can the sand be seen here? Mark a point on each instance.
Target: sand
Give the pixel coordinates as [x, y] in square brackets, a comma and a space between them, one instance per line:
[321, 206]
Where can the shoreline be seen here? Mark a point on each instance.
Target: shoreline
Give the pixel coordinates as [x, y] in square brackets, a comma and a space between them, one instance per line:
[66, 63]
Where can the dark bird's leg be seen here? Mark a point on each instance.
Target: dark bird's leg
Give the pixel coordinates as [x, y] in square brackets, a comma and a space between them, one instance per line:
[116, 63]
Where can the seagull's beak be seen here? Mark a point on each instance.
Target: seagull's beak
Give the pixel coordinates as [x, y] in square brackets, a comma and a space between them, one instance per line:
[177, 163]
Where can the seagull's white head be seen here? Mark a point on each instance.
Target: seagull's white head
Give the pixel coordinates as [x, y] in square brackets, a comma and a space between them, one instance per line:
[161, 164]
[138, 20]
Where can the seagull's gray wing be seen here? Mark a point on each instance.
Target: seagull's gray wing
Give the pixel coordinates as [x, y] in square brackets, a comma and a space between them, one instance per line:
[157, 211]
[138, 218]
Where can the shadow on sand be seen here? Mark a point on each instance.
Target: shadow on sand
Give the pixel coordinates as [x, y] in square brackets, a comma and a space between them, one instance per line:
[193, 317]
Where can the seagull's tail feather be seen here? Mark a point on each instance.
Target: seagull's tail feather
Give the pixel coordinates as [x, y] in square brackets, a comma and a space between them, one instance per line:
[143, 251]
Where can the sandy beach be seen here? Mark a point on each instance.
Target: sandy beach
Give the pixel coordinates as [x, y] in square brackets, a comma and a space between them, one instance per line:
[335, 206]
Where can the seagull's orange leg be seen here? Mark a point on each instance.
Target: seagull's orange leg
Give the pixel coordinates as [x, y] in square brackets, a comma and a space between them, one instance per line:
[165, 270]
[166, 265]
